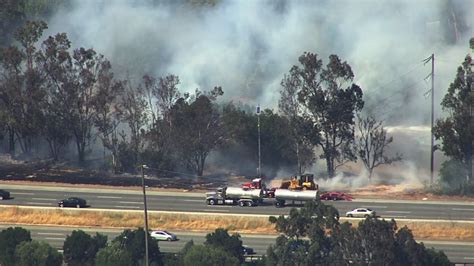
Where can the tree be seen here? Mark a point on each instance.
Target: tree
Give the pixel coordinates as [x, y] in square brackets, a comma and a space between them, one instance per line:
[133, 242]
[165, 92]
[132, 109]
[113, 255]
[291, 109]
[200, 128]
[21, 87]
[372, 144]
[73, 80]
[37, 253]
[379, 242]
[12, 15]
[457, 130]
[452, 173]
[55, 62]
[330, 101]
[220, 238]
[200, 255]
[106, 105]
[312, 222]
[10, 238]
[80, 248]
[161, 96]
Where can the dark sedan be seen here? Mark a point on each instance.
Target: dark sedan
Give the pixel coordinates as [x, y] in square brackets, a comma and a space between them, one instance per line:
[72, 202]
[4, 194]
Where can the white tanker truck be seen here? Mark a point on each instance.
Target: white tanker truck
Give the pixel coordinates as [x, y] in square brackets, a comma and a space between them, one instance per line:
[234, 196]
[283, 195]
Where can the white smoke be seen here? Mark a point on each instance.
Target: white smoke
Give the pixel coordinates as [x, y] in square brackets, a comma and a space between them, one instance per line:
[247, 46]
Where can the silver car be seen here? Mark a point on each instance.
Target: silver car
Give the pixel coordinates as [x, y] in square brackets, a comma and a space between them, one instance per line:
[361, 212]
[163, 235]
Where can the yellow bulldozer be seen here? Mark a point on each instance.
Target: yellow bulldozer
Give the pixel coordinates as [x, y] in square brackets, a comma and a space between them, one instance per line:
[300, 182]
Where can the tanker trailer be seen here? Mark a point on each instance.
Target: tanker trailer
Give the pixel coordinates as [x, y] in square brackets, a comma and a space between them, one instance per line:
[283, 195]
[233, 196]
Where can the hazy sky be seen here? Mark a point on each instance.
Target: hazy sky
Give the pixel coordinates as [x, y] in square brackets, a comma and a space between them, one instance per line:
[247, 46]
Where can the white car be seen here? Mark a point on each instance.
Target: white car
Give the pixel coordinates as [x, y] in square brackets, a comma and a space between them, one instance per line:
[361, 212]
[163, 235]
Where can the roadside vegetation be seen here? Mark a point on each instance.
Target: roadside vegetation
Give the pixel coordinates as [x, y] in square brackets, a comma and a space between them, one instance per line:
[451, 230]
[308, 236]
[56, 97]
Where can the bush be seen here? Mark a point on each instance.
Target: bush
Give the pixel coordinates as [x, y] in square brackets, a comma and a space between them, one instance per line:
[113, 255]
[38, 254]
[81, 249]
[10, 238]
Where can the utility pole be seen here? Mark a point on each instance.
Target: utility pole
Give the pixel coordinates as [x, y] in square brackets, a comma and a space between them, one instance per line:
[432, 119]
[432, 149]
[259, 172]
[146, 213]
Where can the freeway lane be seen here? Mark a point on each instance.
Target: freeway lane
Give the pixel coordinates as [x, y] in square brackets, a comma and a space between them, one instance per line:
[460, 252]
[194, 202]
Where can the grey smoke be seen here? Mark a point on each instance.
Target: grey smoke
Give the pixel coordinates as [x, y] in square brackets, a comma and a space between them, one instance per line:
[247, 46]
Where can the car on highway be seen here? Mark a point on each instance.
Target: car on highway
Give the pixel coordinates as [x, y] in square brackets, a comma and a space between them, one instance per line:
[4, 194]
[163, 235]
[246, 250]
[361, 212]
[72, 202]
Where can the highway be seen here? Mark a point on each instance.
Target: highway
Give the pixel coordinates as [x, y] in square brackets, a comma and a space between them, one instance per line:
[194, 202]
[459, 252]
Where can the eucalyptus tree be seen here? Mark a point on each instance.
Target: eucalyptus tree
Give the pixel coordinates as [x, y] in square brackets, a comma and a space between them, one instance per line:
[198, 127]
[291, 109]
[456, 131]
[22, 87]
[329, 100]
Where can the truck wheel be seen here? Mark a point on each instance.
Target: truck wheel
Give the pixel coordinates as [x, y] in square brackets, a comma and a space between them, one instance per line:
[241, 203]
[279, 204]
[78, 206]
[212, 202]
[249, 204]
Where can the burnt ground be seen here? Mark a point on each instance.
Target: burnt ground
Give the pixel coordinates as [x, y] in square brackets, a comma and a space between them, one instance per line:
[49, 172]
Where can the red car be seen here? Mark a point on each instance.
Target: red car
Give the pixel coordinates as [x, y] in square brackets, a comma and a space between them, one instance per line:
[335, 196]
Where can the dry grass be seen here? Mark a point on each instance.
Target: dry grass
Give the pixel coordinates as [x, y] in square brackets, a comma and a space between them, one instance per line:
[257, 225]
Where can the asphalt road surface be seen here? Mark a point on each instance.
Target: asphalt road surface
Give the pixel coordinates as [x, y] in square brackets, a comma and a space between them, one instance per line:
[458, 252]
[195, 202]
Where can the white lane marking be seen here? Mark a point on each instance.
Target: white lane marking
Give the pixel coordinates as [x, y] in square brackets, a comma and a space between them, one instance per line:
[131, 202]
[43, 199]
[55, 238]
[215, 210]
[397, 211]
[469, 258]
[108, 197]
[22, 193]
[375, 207]
[39, 203]
[52, 234]
[193, 200]
[134, 207]
[461, 209]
